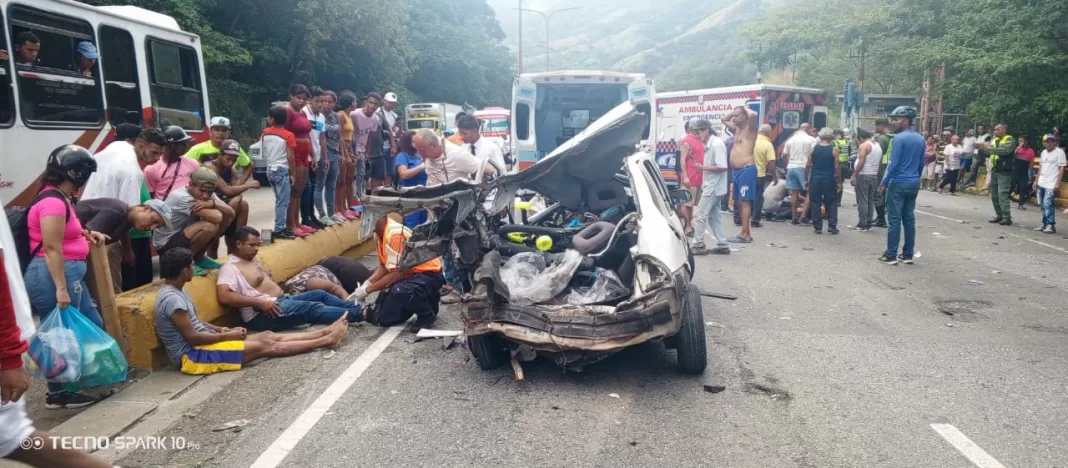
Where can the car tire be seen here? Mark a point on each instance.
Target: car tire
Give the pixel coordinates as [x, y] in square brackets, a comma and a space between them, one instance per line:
[693, 265]
[690, 341]
[488, 350]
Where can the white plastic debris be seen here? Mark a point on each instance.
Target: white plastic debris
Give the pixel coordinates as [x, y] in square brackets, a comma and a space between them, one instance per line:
[428, 333]
[976, 282]
[237, 423]
[613, 395]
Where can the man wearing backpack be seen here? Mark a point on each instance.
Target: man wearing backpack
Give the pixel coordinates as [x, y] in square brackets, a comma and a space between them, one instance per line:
[16, 328]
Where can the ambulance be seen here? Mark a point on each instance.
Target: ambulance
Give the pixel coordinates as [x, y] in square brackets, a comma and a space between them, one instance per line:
[785, 108]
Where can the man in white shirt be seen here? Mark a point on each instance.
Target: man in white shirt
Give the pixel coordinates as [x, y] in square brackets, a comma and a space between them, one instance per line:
[389, 122]
[797, 151]
[968, 144]
[978, 160]
[1049, 178]
[713, 190]
[446, 162]
[481, 148]
[118, 174]
[955, 152]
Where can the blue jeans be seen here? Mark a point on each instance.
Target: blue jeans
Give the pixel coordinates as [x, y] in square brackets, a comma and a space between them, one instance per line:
[1045, 201]
[326, 185]
[901, 207]
[42, 292]
[279, 178]
[312, 307]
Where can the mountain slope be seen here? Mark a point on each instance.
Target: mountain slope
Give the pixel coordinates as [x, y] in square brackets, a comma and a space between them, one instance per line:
[682, 44]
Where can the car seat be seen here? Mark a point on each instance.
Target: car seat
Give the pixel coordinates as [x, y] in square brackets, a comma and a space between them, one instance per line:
[604, 195]
[593, 238]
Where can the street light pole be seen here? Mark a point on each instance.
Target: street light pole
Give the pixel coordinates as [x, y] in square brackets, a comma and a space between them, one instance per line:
[546, 18]
[520, 36]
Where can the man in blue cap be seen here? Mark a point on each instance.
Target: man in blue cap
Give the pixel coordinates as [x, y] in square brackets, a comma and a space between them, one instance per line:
[87, 57]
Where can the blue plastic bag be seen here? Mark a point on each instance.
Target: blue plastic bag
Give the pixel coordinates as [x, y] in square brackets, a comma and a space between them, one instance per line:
[97, 360]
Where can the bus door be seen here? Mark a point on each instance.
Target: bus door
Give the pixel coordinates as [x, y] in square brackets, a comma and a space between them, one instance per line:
[524, 100]
[643, 95]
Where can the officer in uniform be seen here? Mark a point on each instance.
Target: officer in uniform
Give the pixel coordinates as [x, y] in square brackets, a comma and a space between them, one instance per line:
[1001, 151]
[846, 152]
[885, 138]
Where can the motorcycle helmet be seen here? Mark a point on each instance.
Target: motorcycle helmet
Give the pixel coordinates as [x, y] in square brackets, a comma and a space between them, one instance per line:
[175, 134]
[71, 163]
[904, 111]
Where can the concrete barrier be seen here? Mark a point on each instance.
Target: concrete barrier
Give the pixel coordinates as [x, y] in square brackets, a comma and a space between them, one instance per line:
[285, 258]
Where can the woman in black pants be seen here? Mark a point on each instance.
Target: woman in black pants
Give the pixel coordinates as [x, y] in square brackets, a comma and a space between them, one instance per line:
[1021, 172]
[824, 176]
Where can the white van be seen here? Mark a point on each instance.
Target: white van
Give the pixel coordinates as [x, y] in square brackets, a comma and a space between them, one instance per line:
[550, 108]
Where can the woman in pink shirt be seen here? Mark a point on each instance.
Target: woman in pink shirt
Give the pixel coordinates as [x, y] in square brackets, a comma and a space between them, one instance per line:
[172, 171]
[55, 277]
[1021, 177]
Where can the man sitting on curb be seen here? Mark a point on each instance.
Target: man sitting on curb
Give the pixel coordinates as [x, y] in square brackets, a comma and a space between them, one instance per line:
[404, 292]
[230, 190]
[114, 218]
[245, 283]
[198, 217]
[199, 348]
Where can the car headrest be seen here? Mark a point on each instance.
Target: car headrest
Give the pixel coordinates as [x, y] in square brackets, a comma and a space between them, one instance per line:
[605, 195]
[594, 238]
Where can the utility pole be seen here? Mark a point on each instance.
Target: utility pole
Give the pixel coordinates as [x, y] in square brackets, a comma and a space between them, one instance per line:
[546, 18]
[520, 11]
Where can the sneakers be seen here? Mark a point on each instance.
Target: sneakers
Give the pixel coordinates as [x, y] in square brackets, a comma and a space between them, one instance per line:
[699, 250]
[1049, 230]
[756, 225]
[1006, 222]
[906, 259]
[69, 400]
[452, 297]
[888, 260]
[833, 230]
[283, 234]
[881, 223]
[795, 221]
[994, 220]
[819, 231]
[208, 263]
[722, 250]
[1040, 228]
[327, 221]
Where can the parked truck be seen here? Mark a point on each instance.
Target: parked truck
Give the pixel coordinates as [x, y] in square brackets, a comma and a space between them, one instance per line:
[785, 108]
[437, 116]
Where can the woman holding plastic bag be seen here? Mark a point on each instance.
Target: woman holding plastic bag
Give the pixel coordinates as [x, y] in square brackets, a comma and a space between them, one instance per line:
[55, 277]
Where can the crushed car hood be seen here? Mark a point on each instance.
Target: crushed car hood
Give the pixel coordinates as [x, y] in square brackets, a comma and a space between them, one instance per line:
[594, 155]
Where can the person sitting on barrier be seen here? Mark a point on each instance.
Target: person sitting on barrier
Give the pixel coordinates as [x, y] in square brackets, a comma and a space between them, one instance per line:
[350, 271]
[200, 348]
[230, 189]
[416, 291]
[245, 283]
[198, 217]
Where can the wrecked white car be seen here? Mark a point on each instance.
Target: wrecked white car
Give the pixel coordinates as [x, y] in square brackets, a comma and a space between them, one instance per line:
[604, 266]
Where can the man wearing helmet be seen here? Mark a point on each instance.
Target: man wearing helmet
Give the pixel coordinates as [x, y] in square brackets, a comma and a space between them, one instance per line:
[743, 124]
[901, 186]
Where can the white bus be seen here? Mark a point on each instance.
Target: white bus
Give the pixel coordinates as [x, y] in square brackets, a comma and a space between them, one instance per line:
[149, 73]
[552, 107]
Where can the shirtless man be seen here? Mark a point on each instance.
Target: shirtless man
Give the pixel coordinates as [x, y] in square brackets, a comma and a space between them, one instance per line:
[742, 122]
[246, 284]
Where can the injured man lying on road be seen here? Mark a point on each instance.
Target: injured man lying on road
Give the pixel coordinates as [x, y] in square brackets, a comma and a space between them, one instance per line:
[403, 293]
[199, 348]
[245, 283]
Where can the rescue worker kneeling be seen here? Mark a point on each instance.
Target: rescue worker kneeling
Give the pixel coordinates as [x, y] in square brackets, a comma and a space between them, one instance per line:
[403, 293]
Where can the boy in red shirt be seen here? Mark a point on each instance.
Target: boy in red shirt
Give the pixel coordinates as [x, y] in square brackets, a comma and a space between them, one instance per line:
[277, 148]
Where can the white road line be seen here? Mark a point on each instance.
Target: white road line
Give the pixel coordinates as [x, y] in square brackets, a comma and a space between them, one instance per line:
[966, 447]
[923, 212]
[1054, 247]
[289, 439]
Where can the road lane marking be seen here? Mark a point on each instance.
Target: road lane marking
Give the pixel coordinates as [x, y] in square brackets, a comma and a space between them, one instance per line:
[960, 221]
[1054, 247]
[973, 452]
[304, 423]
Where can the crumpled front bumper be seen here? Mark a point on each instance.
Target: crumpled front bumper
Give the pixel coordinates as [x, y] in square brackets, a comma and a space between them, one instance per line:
[576, 335]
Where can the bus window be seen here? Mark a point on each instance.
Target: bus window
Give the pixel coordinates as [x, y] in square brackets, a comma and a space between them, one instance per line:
[522, 121]
[52, 90]
[121, 87]
[177, 97]
[7, 99]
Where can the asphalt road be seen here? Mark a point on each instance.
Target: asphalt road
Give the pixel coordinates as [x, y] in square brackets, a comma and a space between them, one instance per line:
[828, 359]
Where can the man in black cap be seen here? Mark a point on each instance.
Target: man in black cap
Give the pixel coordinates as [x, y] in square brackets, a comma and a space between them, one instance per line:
[230, 190]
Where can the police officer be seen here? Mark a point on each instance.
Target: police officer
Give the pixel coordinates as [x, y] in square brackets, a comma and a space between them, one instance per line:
[885, 138]
[1000, 150]
[844, 143]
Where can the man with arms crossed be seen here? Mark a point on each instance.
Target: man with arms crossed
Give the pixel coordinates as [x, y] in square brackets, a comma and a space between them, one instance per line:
[743, 123]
